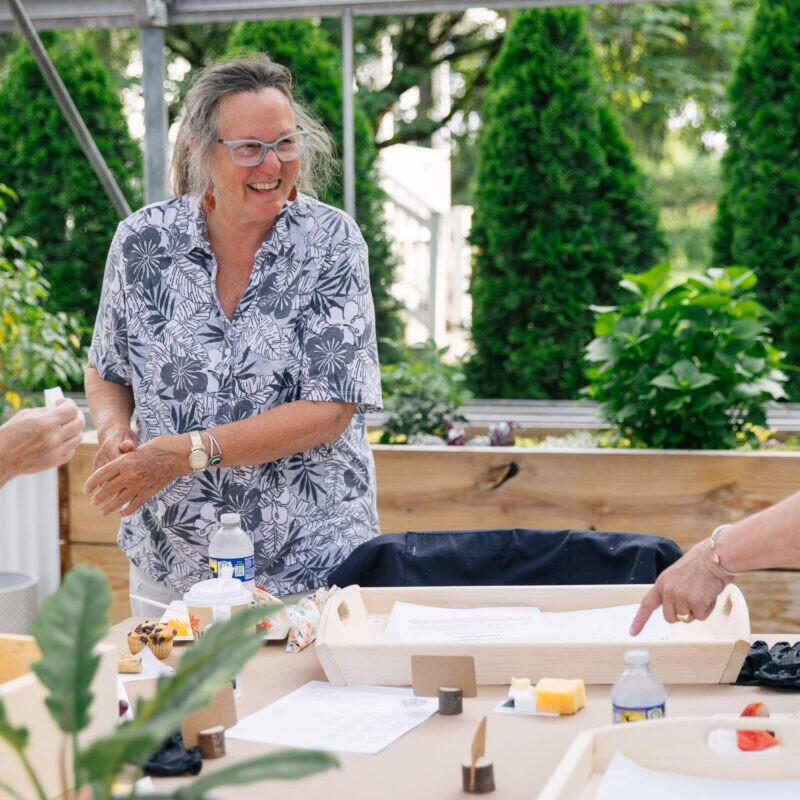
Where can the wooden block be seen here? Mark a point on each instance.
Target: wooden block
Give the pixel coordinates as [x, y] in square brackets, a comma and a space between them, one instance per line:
[428, 673]
[17, 653]
[220, 711]
[483, 780]
[211, 742]
[451, 701]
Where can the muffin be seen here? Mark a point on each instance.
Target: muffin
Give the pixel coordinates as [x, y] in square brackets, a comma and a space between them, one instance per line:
[152, 634]
[139, 636]
[161, 640]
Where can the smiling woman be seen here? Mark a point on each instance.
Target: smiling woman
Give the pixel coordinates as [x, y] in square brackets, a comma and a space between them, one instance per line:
[240, 309]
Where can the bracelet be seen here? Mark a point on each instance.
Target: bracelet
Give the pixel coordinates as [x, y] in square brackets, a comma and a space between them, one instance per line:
[715, 555]
[214, 460]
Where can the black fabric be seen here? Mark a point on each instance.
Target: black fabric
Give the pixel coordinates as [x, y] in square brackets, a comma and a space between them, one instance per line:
[506, 557]
[778, 665]
[174, 759]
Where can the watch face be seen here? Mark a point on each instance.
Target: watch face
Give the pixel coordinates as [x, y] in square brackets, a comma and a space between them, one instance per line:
[198, 459]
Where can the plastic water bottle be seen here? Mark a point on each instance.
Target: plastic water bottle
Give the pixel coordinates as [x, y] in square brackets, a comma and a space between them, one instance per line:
[232, 546]
[638, 693]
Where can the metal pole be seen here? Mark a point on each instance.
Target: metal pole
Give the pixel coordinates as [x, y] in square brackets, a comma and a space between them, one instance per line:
[155, 114]
[348, 136]
[72, 114]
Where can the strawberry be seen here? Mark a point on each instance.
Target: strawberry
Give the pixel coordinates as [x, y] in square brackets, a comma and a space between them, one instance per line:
[755, 740]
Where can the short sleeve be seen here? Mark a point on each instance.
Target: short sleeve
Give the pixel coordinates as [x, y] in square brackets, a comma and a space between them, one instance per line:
[340, 354]
[108, 353]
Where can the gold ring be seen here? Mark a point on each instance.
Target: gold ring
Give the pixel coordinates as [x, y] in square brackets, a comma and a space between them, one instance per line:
[685, 617]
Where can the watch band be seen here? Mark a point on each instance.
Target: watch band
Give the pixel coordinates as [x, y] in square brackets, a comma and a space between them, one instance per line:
[198, 455]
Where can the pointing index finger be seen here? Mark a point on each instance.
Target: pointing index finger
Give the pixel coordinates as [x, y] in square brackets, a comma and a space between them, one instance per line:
[651, 601]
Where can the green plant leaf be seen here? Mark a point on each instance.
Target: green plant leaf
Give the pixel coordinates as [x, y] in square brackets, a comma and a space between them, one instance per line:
[665, 381]
[73, 620]
[281, 765]
[16, 737]
[204, 668]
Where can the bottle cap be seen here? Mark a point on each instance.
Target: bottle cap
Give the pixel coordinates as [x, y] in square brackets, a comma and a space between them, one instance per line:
[230, 518]
[637, 658]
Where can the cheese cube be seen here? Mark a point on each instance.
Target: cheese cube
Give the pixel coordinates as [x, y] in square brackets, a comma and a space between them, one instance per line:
[560, 696]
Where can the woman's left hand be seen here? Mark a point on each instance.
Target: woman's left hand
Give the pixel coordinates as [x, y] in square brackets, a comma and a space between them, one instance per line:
[130, 480]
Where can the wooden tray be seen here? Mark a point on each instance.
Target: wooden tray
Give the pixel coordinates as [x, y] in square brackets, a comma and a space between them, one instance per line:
[673, 745]
[23, 697]
[350, 651]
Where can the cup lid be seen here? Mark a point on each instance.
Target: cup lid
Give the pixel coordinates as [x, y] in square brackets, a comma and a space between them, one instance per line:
[224, 590]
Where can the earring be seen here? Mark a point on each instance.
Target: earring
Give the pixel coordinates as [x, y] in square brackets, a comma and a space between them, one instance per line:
[293, 193]
[208, 203]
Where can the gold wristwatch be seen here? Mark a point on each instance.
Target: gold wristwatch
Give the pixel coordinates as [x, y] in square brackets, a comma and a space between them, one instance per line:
[199, 459]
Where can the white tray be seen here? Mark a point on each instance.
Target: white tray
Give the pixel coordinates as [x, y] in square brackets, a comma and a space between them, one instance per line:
[350, 649]
[678, 745]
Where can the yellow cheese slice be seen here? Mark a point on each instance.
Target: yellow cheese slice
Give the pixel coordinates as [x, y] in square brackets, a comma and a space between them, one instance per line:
[560, 696]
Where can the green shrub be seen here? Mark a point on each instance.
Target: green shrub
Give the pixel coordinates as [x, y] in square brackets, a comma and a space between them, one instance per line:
[759, 210]
[560, 211]
[420, 391]
[61, 200]
[73, 620]
[303, 48]
[686, 366]
[37, 349]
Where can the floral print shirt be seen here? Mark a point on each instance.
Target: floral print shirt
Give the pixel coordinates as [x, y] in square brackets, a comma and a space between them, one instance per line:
[304, 329]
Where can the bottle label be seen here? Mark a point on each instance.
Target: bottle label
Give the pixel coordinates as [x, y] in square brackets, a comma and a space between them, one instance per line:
[622, 714]
[243, 568]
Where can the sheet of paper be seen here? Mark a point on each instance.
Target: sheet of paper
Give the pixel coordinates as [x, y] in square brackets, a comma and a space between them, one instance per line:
[51, 396]
[626, 780]
[151, 668]
[409, 622]
[345, 719]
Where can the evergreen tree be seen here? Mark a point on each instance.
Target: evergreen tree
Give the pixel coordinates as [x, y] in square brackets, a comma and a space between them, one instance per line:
[303, 48]
[560, 211]
[62, 203]
[758, 223]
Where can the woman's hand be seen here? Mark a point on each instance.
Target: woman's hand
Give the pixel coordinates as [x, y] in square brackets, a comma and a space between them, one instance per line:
[127, 482]
[687, 590]
[113, 443]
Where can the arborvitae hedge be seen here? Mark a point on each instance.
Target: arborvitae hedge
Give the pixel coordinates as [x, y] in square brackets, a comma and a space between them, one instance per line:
[758, 224]
[62, 203]
[560, 211]
[316, 65]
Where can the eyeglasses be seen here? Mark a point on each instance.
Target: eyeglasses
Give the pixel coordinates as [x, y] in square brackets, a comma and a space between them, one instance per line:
[251, 152]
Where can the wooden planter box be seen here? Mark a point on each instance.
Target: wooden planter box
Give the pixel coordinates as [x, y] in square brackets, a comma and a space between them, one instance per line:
[680, 494]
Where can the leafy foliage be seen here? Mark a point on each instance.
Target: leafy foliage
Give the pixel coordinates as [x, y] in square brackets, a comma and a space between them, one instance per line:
[560, 211]
[303, 48]
[759, 211]
[72, 622]
[421, 390]
[62, 200]
[662, 60]
[36, 346]
[686, 366]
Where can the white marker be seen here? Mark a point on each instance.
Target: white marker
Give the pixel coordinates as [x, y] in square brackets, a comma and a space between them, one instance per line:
[51, 396]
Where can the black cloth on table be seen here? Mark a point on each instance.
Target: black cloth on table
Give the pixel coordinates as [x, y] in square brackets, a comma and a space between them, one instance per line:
[778, 665]
[506, 557]
[174, 759]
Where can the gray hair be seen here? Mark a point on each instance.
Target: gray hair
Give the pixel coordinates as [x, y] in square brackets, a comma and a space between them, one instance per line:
[190, 169]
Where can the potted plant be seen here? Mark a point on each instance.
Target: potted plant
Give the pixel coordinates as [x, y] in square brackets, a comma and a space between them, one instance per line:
[73, 621]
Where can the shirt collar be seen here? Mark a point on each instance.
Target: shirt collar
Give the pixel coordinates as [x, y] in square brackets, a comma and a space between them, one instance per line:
[278, 240]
